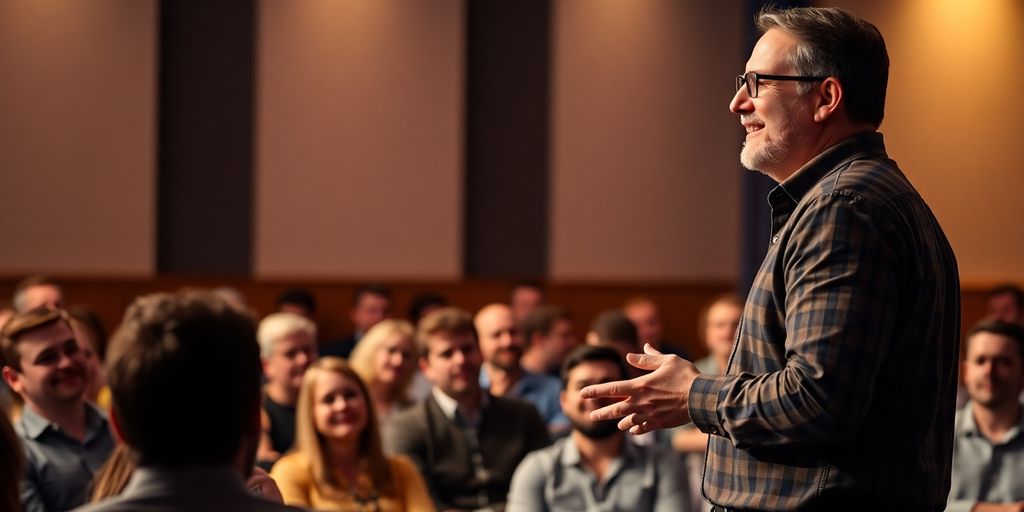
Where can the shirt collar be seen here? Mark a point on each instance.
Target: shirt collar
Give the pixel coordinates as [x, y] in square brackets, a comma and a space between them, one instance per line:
[966, 426]
[35, 424]
[571, 453]
[449, 405]
[857, 146]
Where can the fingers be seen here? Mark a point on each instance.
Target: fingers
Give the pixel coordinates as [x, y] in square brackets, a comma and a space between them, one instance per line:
[619, 388]
[649, 349]
[613, 411]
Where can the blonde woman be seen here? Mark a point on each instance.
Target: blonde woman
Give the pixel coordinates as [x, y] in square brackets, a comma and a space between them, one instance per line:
[385, 359]
[338, 462]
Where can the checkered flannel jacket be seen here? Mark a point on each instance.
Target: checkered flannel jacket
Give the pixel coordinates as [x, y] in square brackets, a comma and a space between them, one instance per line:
[841, 387]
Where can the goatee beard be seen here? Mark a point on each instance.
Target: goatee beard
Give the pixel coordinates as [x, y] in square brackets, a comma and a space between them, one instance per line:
[599, 430]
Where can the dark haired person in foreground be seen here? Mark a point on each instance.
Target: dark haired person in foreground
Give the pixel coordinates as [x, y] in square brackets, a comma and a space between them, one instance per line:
[184, 372]
[840, 391]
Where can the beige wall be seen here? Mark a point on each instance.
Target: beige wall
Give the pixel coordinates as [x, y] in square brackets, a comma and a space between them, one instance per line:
[359, 139]
[645, 170]
[77, 136]
[952, 118]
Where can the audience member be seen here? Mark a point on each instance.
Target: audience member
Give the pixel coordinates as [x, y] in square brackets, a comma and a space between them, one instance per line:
[385, 360]
[339, 463]
[596, 467]
[66, 440]
[1006, 303]
[299, 301]
[12, 461]
[614, 330]
[549, 337]
[96, 390]
[35, 291]
[988, 443]
[424, 303]
[371, 303]
[502, 345]
[644, 314]
[287, 348]
[232, 296]
[465, 443]
[525, 298]
[184, 371]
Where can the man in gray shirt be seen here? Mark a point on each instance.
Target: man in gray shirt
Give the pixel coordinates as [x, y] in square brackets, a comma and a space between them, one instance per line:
[596, 468]
[66, 440]
[988, 449]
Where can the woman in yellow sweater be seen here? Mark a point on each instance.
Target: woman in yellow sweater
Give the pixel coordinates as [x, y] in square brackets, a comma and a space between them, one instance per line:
[338, 462]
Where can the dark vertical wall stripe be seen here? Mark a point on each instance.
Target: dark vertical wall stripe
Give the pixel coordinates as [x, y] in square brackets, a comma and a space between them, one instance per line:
[756, 215]
[507, 116]
[205, 150]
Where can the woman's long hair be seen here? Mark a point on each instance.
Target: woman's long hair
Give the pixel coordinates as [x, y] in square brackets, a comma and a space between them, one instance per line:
[113, 477]
[363, 357]
[313, 446]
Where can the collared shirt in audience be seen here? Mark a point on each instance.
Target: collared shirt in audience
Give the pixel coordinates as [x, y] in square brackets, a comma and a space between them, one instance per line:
[642, 479]
[294, 477]
[984, 471]
[59, 468]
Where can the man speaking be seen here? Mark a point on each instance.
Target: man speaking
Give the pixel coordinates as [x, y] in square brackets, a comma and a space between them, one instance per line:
[839, 394]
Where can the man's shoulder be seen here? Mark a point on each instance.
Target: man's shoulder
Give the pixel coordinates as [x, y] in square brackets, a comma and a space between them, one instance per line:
[874, 178]
[141, 503]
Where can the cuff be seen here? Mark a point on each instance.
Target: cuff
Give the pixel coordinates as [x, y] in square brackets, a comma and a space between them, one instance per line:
[705, 393]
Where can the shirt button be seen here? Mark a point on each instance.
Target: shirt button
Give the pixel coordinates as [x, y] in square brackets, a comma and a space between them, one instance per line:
[775, 239]
[714, 430]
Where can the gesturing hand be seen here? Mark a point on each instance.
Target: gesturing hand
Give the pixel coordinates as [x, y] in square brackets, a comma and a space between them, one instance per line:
[651, 401]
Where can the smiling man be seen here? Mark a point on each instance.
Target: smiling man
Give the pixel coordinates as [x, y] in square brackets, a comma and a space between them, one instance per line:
[66, 440]
[840, 391]
[465, 442]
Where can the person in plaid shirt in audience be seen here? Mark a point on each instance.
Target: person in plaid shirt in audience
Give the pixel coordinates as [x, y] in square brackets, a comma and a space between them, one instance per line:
[840, 390]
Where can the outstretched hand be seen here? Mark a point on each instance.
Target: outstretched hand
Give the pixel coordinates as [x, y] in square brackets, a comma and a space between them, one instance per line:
[651, 401]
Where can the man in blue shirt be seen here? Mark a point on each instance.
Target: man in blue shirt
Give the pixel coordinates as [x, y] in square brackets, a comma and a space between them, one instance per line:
[66, 440]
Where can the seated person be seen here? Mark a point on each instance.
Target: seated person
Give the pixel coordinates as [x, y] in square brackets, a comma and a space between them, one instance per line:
[66, 439]
[596, 467]
[299, 301]
[644, 314]
[614, 330]
[988, 439]
[549, 337]
[502, 345]
[287, 347]
[465, 443]
[385, 360]
[371, 303]
[338, 463]
[1006, 303]
[175, 358]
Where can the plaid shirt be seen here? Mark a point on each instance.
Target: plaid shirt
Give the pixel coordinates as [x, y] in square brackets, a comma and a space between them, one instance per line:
[841, 386]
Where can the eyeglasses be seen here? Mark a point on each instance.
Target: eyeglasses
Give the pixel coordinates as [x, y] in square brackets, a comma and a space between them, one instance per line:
[753, 80]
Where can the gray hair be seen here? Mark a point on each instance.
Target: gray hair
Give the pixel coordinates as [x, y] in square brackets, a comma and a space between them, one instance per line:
[277, 326]
[835, 43]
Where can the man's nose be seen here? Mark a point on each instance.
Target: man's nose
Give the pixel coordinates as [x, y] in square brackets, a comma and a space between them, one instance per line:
[741, 103]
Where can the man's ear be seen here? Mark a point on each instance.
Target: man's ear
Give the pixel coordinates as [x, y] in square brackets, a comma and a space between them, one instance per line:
[13, 379]
[830, 95]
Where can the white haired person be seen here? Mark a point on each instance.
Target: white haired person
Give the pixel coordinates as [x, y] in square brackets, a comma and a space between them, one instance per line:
[287, 348]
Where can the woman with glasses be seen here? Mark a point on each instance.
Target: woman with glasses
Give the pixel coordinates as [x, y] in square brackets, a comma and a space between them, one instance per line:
[338, 462]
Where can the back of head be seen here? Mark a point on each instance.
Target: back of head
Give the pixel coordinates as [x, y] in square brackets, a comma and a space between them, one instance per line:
[835, 43]
[184, 373]
[301, 297]
[542, 320]
[615, 327]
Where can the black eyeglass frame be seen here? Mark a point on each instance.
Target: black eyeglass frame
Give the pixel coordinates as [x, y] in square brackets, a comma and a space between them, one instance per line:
[742, 79]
